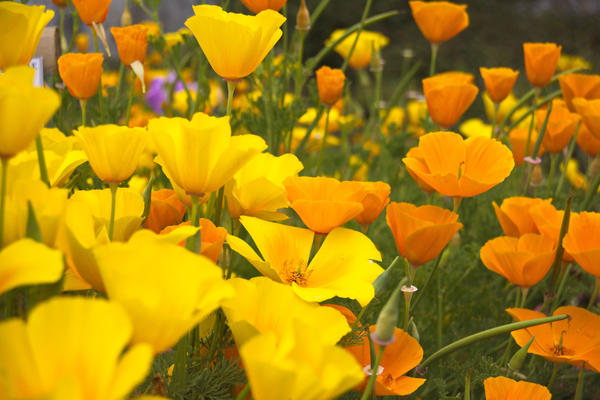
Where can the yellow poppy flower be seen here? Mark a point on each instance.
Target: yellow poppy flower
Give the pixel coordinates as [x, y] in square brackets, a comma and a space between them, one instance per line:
[200, 155]
[74, 346]
[361, 56]
[233, 43]
[342, 267]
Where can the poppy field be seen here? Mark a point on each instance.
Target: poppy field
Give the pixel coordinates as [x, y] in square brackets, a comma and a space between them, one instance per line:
[221, 212]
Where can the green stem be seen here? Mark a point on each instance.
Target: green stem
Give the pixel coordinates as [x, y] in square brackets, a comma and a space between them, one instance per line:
[594, 293]
[83, 104]
[499, 330]
[244, 392]
[361, 25]
[579, 390]
[373, 377]
[434, 51]
[130, 99]
[591, 191]
[496, 107]
[219, 206]
[3, 198]
[311, 127]
[429, 279]
[180, 368]
[320, 157]
[553, 162]
[567, 159]
[564, 274]
[553, 376]
[100, 96]
[119, 81]
[517, 106]
[440, 311]
[533, 108]
[230, 92]
[194, 243]
[61, 29]
[536, 147]
[299, 66]
[41, 160]
[400, 88]
[113, 202]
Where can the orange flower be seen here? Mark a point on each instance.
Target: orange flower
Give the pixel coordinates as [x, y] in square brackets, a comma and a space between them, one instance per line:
[415, 152]
[324, 203]
[132, 42]
[501, 388]
[498, 82]
[590, 113]
[439, 20]
[548, 221]
[541, 60]
[579, 85]
[460, 168]
[399, 357]
[524, 261]
[165, 209]
[448, 96]
[257, 6]
[560, 128]
[587, 141]
[330, 83]
[514, 216]
[574, 340]
[81, 73]
[211, 236]
[582, 241]
[377, 196]
[421, 233]
[91, 11]
[518, 142]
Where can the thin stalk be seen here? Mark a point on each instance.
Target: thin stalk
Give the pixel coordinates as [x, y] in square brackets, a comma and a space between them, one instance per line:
[373, 377]
[567, 159]
[434, 51]
[119, 81]
[591, 191]
[311, 127]
[519, 104]
[553, 376]
[534, 107]
[536, 146]
[61, 29]
[83, 104]
[267, 98]
[230, 92]
[3, 198]
[375, 104]
[299, 66]
[194, 243]
[130, 99]
[180, 368]
[499, 330]
[41, 160]
[496, 107]
[399, 90]
[219, 206]
[561, 286]
[553, 162]
[100, 96]
[317, 11]
[579, 390]
[320, 158]
[431, 275]
[440, 311]
[468, 386]
[361, 25]
[113, 201]
[594, 293]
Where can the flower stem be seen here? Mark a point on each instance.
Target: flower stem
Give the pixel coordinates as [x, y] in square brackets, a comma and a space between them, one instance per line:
[579, 390]
[41, 160]
[194, 243]
[496, 107]
[230, 92]
[299, 66]
[553, 161]
[553, 376]
[100, 96]
[113, 201]
[83, 104]
[594, 293]
[434, 51]
[318, 167]
[591, 191]
[3, 199]
[373, 377]
[567, 159]
[431, 275]
[130, 99]
[361, 25]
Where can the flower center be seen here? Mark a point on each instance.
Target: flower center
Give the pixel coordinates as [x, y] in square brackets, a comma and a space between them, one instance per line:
[295, 271]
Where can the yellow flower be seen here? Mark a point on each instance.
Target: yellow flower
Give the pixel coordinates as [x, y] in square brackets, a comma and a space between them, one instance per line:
[24, 109]
[113, 150]
[475, 127]
[74, 346]
[257, 188]
[234, 44]
[165, 288]
[505, 107]
[200, 155]
[394, 121]
[361, 56]
[20, 32]
[27, 262]
[342, 267]
[566, 62]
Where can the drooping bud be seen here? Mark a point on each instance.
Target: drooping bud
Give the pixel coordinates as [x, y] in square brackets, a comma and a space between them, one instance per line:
[303, 18]
[517, 360]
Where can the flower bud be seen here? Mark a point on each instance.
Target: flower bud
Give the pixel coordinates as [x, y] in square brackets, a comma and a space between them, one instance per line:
[303, 17]
[517, 360]
[126, 16]
[537, 177]
[412, 328]
[330, 84]
[387, 320]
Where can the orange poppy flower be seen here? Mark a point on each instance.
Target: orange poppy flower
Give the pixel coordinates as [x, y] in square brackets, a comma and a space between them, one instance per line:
[416, 153]
[439, 20]
[257, 6]
[590, 113]
[399, 357]
[574, 340]
[498, 82]
[513, 215]
[91, 11]
[579, 85]
[448, 96]
[330, 83]
[376, 197]
[165, 209]
[560, 128]
[421, 233]
[541, 60]
[132, 42]
[548, 221]
[581, 241]
[587, 141]
[324, 203]
[518, 142]
[502, 388]
[460, 168]
[81, 73]
[524, 261]
[211, 236]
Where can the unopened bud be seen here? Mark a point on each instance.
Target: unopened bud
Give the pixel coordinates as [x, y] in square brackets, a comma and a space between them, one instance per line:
[537, 176]
[412, 329]
[383, 279]
[303, 17]
[126, 16]
[517, 360]
[387, 320]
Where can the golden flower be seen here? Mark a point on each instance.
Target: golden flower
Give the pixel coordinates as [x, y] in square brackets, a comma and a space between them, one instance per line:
[460, 168]
[474, 127]
[589, 143]
[579, 85]
[513, 215]
[234, 44]
[498, 82]
[504, 108]
[590, 113]
[22, 27]
[581, 241]
[330, 83]
[324, 203]
[81, 73]
[200, 155]
[132, 42]
[341, 267]
[540, 62]
[560, 127]
[518, 141]
[165, 210]
[501, 388]
[524, 261]
[567, 62]
[448, 96]
[361, 56]
[421, 233]
[71, 348]
[439, 20]
[574, 340]
[24, 109]
[257, 6]
[91, 11]
[394, 121]
[576, 178]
